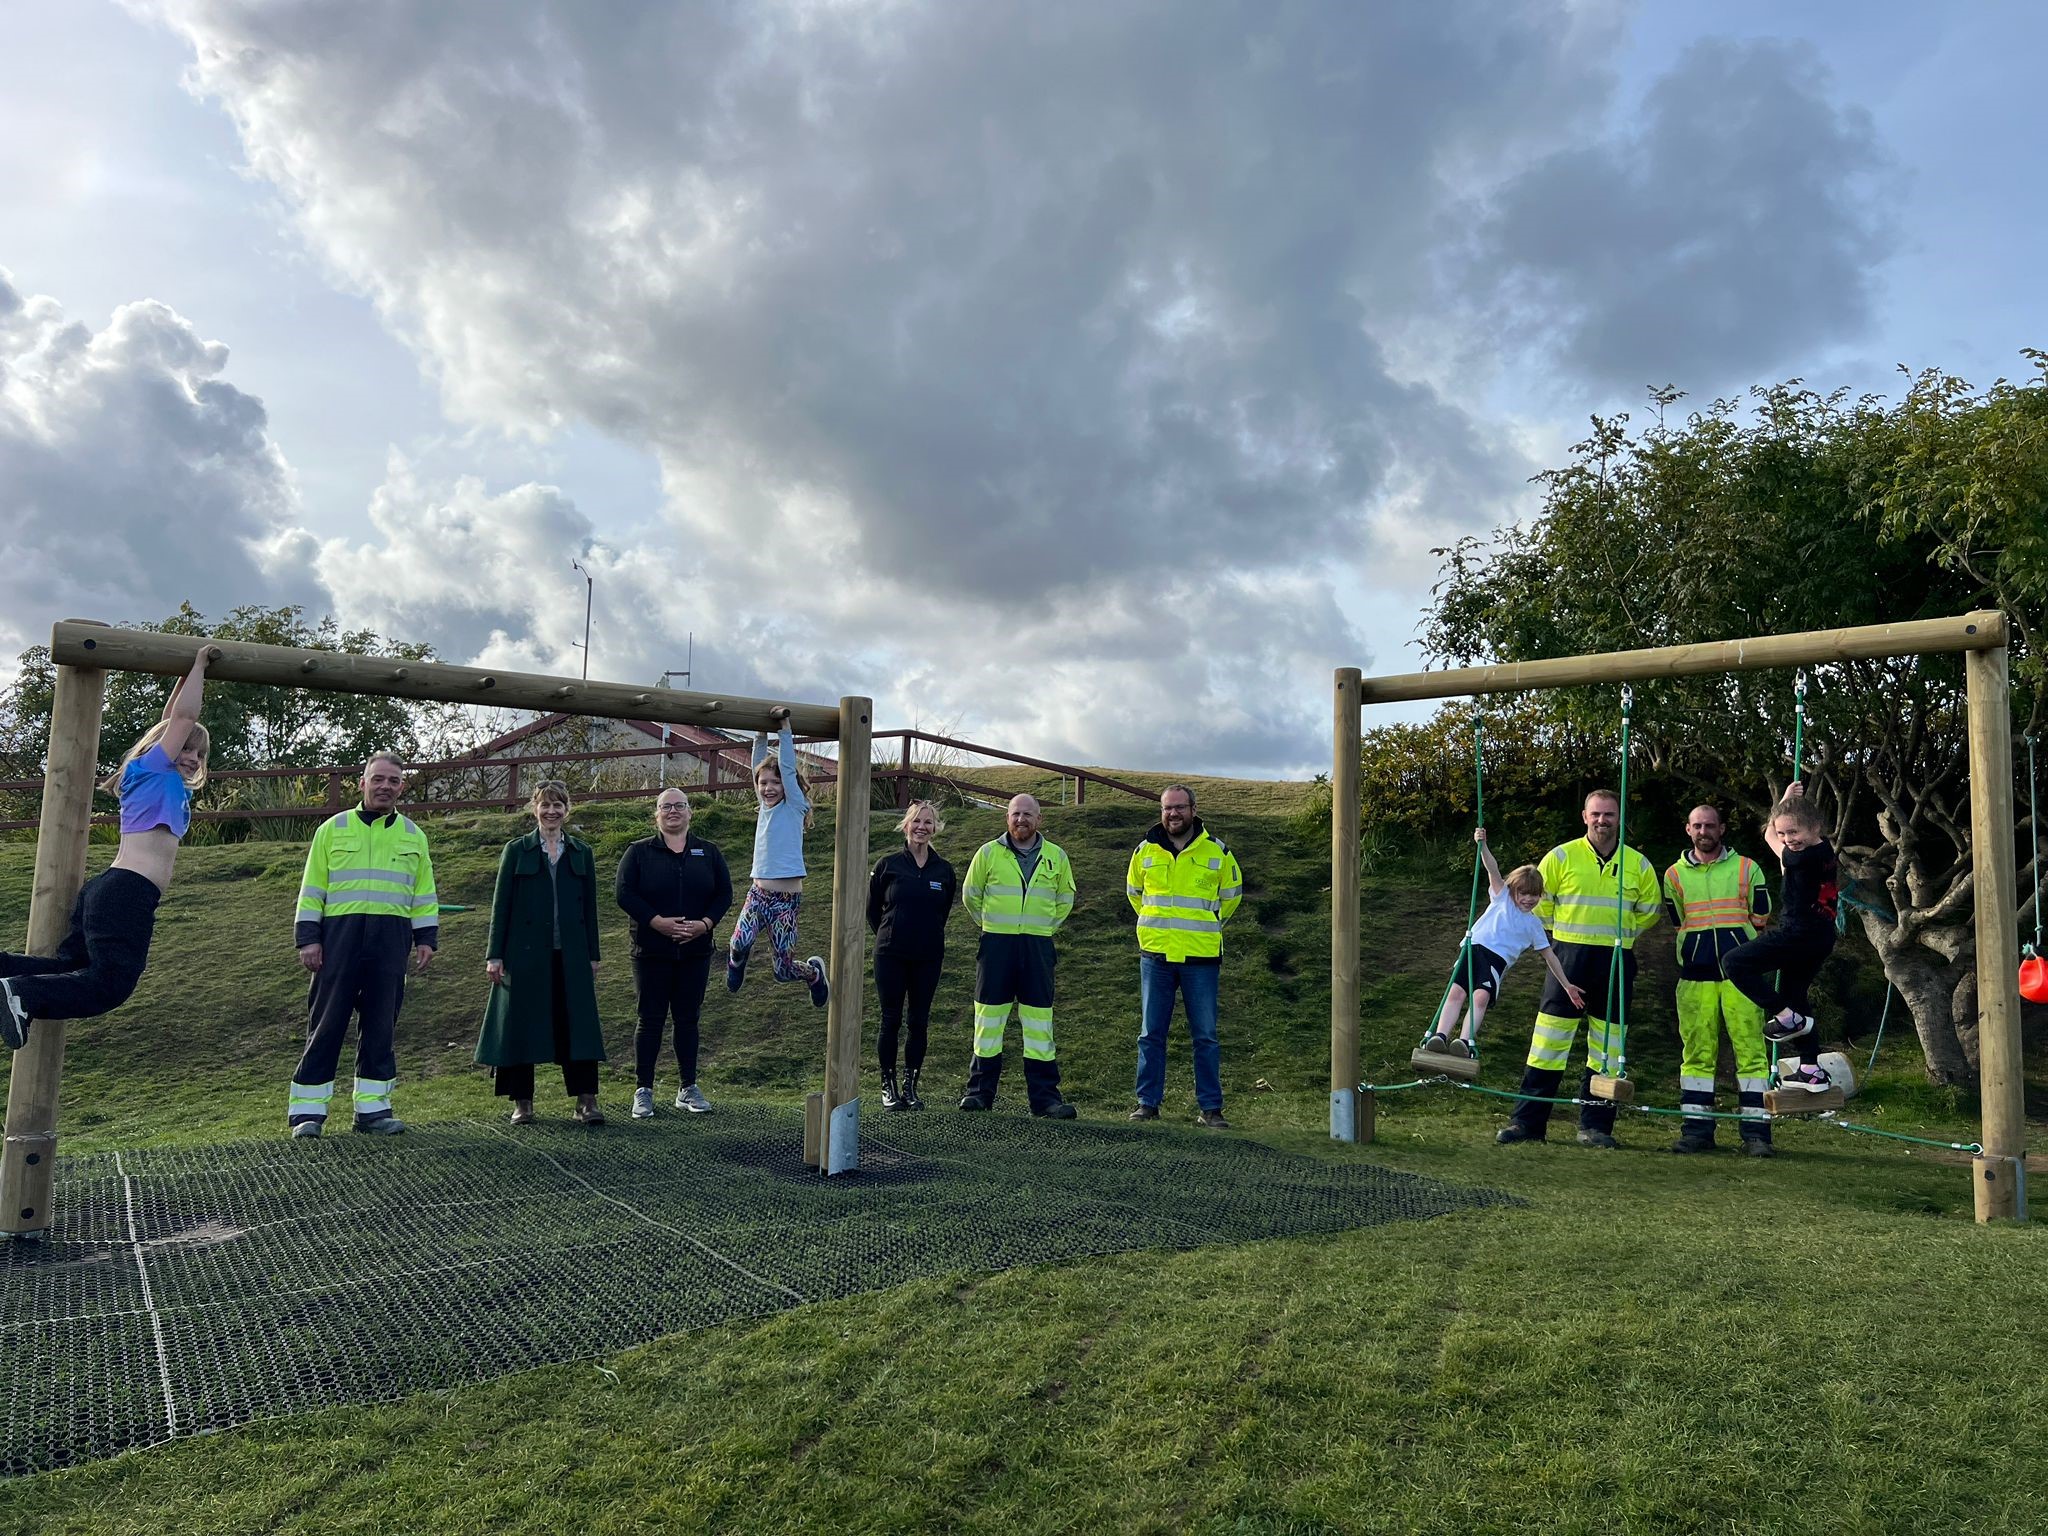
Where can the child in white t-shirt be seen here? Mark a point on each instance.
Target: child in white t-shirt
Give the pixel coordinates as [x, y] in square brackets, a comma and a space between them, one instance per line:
[1508, 926]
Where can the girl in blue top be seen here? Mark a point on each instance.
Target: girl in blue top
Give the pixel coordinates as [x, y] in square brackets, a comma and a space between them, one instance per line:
[777, 892]
[1506, 928]
[97, 966]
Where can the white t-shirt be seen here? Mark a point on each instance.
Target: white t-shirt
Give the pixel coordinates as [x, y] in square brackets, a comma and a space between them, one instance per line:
[1507, 930]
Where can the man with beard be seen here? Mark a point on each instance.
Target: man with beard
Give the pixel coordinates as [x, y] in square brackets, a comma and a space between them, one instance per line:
[1716, 898]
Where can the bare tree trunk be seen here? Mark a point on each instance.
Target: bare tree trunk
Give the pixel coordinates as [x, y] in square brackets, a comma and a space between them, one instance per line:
[1930, 989]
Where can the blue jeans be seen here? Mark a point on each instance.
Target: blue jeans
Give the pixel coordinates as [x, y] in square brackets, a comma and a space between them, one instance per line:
[1158, 980]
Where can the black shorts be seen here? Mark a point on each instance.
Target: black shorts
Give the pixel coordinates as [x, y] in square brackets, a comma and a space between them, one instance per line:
[1478, 969]
[1588, 967]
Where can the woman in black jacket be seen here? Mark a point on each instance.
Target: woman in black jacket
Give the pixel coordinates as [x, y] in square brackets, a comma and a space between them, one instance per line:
[675, 887]
[910, 896]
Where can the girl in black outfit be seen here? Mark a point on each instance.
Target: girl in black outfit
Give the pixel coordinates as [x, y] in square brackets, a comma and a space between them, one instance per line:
[910, 896]
[675, 887]
[1799, 942]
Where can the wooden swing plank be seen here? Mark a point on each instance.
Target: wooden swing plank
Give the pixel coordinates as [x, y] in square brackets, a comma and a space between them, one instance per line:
[1797, 1101]
[1464, 1068]
[1615, 1090]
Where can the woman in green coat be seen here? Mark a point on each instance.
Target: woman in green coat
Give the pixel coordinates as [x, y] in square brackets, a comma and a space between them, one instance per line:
[542, 963]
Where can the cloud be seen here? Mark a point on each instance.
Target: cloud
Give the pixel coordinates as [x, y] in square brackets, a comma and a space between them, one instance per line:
[135, 476]
[1024, 360]
[1735, 227]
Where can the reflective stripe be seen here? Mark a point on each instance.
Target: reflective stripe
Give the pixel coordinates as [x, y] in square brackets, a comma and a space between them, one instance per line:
[1135, 891]
[307, 888]
[993, 889]
[1199, 903]
[1697, 1085]
[1588, 933]
[1229, 891]
[341, 899]
[308, 914]
[402, 877]
[373, 1095]
[1189, 924]
[432, 920]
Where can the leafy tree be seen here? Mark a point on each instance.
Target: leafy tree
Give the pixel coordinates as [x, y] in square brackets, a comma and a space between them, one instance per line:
[1793, 511]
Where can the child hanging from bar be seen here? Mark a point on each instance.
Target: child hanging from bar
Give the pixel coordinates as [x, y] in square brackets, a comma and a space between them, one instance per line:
[776, 893]
[1506, 928]
[1796, 945]
[97, 966]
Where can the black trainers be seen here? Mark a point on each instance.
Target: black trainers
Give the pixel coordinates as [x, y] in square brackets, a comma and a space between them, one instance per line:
[1777, 1030]
[1461, 1048]
[1212, 1120]
[1437, 1045]
[1808, 1077]
[819, 990]
[1513, 1132]
[1600, 1139]
[1055, 1108]
[736, 968]
[1145, 1112]
[14, 1020]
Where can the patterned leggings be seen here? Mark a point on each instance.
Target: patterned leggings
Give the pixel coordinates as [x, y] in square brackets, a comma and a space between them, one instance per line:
[776, 910]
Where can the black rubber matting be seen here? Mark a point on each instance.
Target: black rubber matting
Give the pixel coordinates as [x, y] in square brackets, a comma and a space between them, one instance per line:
[184, 1291]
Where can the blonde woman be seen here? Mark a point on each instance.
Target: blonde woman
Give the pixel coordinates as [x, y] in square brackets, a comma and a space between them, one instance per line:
[910, 896]
[542, 963]
[97, 966]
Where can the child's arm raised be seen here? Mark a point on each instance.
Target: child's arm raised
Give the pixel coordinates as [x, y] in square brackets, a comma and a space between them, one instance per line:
[1493, 879]
[181, 709]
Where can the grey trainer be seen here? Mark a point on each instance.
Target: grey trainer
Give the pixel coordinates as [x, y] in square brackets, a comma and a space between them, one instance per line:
[643, 1103]
[692, 1099]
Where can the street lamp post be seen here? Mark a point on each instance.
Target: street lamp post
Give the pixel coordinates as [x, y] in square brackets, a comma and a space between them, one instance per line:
[588, 590]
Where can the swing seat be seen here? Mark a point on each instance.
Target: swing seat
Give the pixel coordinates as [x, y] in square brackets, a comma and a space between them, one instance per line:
[1615, 1090]
[1464, 1068]
[1797, 1101]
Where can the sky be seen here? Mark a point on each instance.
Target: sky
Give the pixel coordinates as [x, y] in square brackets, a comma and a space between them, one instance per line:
[1085, 379]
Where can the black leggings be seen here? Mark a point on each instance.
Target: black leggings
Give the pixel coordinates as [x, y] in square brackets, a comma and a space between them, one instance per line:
[670, 985]
[896, 979]
[97, 966]
[516, 1081]
[1795, 955]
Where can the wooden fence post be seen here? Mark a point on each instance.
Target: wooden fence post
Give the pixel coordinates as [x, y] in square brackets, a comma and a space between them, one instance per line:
[841, 1106]
[2000, 1173]
[29, 1161]
[903, 784]
[1347, 734]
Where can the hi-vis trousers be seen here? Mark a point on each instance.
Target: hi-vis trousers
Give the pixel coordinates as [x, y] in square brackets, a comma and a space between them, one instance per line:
[1014, 969]
[1704, 1007]
[1557, 1026]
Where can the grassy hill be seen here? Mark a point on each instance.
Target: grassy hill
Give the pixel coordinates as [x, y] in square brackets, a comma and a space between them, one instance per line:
[1634, 1349]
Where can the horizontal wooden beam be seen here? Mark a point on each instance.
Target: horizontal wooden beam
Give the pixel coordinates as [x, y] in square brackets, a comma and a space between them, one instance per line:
[81, 643]
[1967, 632]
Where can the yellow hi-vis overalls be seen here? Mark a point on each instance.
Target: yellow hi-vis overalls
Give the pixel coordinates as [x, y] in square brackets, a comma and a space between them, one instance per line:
[1715, 908]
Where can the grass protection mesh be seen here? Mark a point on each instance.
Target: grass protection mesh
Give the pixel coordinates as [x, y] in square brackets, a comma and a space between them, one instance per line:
[184, 1291]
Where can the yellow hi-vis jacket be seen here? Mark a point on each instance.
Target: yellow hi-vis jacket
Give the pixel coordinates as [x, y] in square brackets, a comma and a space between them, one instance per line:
[1580, 896]
[1183, 899]
[1715, 908]
[369, 867]
[995, 895]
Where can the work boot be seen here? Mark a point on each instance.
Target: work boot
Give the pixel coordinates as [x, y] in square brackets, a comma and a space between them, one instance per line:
[383, 1125]
[1054, 1108]
[1145, 1112]
[1690, 1140]
[1212, 1120]
[973, 1103]
[910, 1098]
[306, 1130]
[1514, 1131]
[891, 1099]
[1758, 1146]
[1597, 1138]
[1532, 1114]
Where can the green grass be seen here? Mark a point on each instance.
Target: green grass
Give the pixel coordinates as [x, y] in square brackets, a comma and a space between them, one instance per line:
[1642, 1347]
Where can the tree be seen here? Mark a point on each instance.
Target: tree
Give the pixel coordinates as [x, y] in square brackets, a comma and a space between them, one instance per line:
[252, 726]
[1801, 511]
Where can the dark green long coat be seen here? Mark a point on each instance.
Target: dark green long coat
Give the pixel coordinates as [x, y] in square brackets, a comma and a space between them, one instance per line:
[519, 1025]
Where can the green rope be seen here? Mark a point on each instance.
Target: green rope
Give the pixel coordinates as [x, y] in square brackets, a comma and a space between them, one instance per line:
[1617, 993]
[1826, 1116]
[1798, 723]
[1870, 1066]
[1478, 867]
[2034, 848]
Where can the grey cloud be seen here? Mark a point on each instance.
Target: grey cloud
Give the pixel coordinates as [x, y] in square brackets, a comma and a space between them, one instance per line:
[133, 476]
[1734, 229]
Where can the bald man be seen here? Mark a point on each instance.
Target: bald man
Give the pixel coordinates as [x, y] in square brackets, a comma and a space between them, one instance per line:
[1019, 889]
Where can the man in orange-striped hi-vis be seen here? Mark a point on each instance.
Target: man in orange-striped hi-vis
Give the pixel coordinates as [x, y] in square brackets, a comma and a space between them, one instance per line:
[1716, 898]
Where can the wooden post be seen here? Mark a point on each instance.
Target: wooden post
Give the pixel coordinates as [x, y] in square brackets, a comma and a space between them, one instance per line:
[841, 1107]
[28, 1164]
[1080, 788]
[814, 1127]
[903, 784]
[1344, 915]
[1999, 1174]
